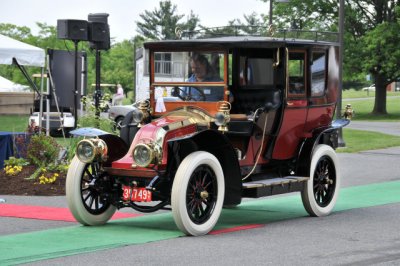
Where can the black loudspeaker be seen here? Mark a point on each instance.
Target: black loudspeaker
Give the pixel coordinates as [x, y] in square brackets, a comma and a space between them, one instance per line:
[62, 69]
[71, 29]
[99, 31]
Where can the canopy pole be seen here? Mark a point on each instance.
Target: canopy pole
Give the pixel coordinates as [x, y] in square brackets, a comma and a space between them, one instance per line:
[41, 101]
[23, 70]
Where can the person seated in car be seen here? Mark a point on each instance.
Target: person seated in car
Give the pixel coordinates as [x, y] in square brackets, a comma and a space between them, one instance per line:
[202, 71]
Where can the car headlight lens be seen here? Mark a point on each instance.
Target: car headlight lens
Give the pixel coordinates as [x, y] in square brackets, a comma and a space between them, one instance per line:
[89, 150]
[143, 155]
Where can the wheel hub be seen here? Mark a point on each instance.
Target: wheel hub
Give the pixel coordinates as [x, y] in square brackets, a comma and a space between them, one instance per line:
[204, 194]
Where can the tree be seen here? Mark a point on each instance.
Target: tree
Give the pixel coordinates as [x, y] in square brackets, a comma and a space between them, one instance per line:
[371, 37]
[253, 24]
[15, 32]
[118, 64]
[161, 23]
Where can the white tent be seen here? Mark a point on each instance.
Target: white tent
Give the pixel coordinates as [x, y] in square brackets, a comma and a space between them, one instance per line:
[9, 86]
[25, 54]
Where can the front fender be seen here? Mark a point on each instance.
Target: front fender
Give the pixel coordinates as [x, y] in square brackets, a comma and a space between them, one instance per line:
[328, 136]
[117, 147]
[217, 144]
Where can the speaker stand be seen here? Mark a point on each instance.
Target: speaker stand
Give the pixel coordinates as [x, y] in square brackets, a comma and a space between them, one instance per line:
[97, 94]
[76, 84]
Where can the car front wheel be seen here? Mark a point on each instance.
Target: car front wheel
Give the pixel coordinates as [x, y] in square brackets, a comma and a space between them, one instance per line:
[322, 189]
[198, 193]
[85, 187]
[118, 122]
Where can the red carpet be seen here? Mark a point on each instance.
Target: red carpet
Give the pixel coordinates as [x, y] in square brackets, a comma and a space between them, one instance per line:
[235, 229]
[47, 213]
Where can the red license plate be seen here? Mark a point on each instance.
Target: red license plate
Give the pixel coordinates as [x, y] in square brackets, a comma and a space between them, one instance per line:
[136, 194]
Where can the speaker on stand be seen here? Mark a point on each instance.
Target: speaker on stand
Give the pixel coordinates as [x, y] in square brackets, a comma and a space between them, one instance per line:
[99, 39]
[76, 31]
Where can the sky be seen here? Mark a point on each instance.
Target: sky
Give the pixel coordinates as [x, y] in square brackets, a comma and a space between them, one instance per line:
[123, 14]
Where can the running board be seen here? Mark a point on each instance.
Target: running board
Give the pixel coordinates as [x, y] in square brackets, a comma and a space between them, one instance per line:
[274, 186]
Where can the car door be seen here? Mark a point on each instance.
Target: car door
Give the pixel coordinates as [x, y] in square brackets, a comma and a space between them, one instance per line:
[295, 109]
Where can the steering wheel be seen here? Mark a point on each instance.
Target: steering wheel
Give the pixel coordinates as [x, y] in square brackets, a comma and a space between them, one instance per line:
[180, 92]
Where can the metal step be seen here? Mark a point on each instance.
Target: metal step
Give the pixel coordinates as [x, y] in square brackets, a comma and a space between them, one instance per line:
[273, 186]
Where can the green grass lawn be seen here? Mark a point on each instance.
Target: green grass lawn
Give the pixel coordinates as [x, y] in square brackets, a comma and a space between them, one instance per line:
[363, 109]
[361, 140]
[14, 123]
[348, 94]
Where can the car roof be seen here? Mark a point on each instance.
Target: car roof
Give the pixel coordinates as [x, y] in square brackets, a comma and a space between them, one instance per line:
[235, 42]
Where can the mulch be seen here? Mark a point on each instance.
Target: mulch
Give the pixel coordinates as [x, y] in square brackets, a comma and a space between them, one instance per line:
[20, 185]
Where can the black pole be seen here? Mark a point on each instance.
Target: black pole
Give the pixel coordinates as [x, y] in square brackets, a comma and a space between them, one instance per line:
[97, 93]
[270, 12]
[76, 85]
[341, 141]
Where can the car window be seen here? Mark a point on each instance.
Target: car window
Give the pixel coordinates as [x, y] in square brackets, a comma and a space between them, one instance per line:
[318, 71]
[256, 71]
[296, 70]
[188, 66]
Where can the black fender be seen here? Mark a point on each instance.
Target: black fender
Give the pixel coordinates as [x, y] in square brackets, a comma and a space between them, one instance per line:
[117, 147]
[217, 144]
[327, 135]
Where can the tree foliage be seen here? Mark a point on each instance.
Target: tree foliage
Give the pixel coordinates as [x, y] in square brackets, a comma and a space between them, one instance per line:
[160, 24]
[371, 36]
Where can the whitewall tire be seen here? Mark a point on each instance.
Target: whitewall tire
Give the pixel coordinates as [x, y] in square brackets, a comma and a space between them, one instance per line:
[321, 191]
[86, 203]
[198, 193]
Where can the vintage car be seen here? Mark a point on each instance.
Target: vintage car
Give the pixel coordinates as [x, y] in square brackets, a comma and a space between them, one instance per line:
[227, 118]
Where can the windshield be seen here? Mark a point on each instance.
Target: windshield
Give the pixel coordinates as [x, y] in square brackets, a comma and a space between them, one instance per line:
[188, 76]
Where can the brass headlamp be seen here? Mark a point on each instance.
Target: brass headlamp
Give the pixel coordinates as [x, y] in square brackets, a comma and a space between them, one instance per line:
[89, 150]
[223, 117]
[145, 154]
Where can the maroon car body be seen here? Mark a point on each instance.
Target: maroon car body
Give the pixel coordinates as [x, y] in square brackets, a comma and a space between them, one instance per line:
[263, 125]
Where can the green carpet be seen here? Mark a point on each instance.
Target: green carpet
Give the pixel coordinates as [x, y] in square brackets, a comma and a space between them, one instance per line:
[28, 247]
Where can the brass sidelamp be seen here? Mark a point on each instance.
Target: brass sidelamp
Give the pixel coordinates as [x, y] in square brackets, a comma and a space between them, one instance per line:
[223, 117]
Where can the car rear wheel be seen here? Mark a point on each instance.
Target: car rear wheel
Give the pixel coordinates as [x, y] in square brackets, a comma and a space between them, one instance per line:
[84, 189]
[321, 191]
[198, 193]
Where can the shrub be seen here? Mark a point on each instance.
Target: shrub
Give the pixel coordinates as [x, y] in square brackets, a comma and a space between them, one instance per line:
[42, 150]
[90, 120]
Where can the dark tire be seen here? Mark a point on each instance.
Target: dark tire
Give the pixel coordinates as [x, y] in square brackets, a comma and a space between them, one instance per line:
[118, 122]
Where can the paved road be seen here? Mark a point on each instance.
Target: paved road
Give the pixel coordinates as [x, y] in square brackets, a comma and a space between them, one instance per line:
[362, 236]
[391, 128]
